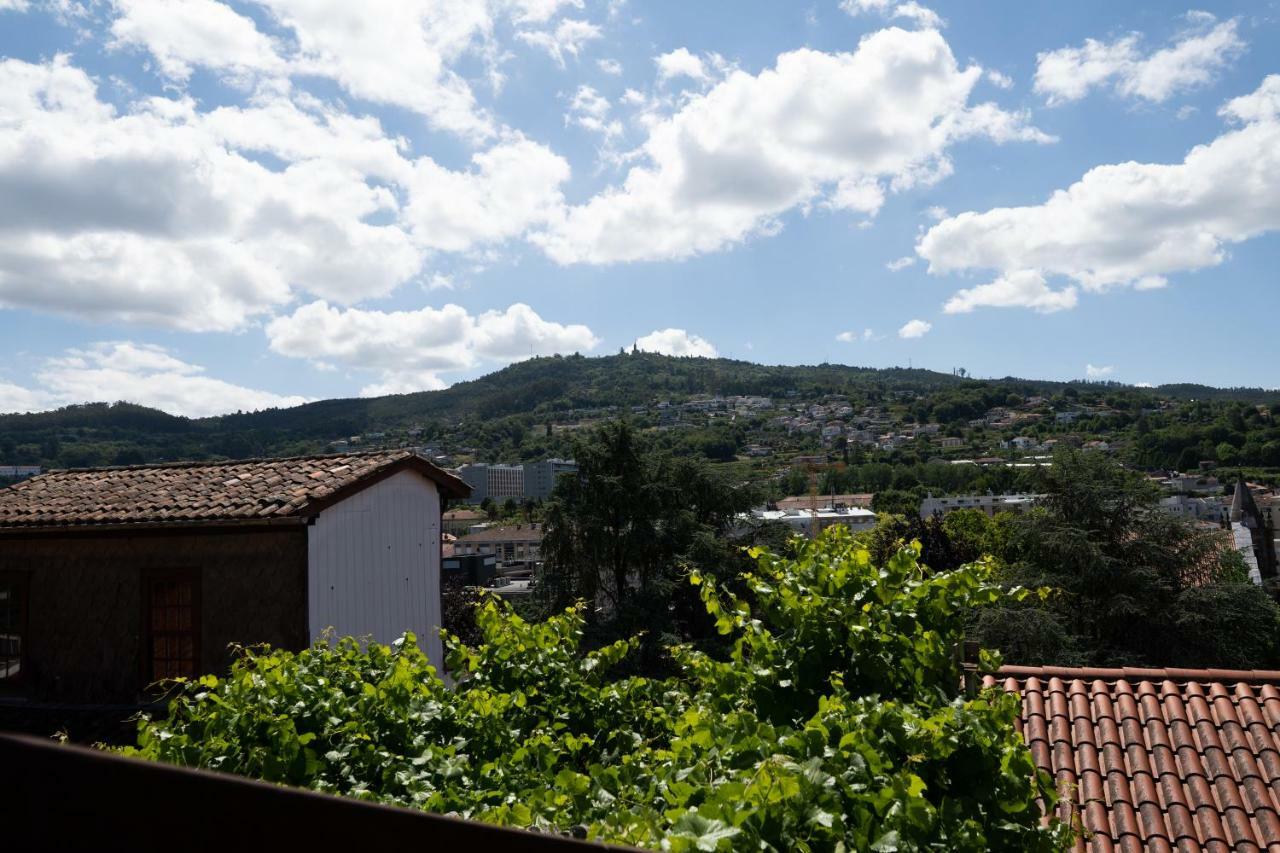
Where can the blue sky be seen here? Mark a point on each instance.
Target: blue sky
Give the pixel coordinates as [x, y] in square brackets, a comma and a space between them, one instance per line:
[208, 206]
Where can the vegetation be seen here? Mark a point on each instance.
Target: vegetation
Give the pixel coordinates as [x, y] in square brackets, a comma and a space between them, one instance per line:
[832, 722]
[530, 411]
[1133, 585]
[623, 532]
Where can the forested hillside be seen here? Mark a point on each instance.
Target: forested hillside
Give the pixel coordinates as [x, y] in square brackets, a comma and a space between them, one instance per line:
[526, 410]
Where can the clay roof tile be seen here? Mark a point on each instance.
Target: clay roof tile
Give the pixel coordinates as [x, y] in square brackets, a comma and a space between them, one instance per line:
[1162, 759]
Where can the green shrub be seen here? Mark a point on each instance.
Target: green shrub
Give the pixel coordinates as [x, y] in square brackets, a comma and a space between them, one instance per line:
[834, 723]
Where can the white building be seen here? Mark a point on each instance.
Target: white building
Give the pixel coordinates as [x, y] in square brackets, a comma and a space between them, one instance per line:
[806, 522]
[987, 504]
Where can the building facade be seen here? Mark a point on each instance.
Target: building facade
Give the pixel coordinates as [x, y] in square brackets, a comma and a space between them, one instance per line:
[540, 478]
[112, 579]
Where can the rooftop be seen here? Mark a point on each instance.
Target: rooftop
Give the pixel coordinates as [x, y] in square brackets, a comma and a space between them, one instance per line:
[1158, 759]
[513, 533]
[204, 492]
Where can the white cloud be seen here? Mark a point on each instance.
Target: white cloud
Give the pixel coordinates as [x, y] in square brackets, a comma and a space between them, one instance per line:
[539, 11]
[999, 79]
[838, 130]
[1129, 224]
[510, 187]
[852, 336]
[911, 10]
[901, 263]
[162, 214]
[1098, 372]
[1018, 289]
[137, 373]
[410, 348]
[14, 6]
[915, 329]
[676, 342]
[1192, 60]
[612, 67]
[568, 37]
[680, 63]
[150, 215]
[589, 110]
[183, 33]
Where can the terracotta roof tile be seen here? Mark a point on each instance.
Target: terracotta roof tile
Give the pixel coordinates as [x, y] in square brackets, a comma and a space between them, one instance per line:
[1158, 759]
[200, 492]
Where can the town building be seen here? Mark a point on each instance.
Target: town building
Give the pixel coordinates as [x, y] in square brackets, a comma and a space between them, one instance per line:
[113, 578]
[1254, 538]
[860, 501]
[495, 482]
[540, 478]
[511, 544]
[460, 521]
[988, 504]
[810, 522]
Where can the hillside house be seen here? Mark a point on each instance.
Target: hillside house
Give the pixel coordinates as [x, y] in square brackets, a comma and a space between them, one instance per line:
[511, 544]
[112, 578]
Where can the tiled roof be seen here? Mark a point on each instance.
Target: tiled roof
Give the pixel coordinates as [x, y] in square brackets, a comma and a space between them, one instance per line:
[1158, 759]
[518, 533]
[203, 492]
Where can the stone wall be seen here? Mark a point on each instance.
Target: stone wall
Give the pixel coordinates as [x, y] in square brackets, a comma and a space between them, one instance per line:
[85, 620]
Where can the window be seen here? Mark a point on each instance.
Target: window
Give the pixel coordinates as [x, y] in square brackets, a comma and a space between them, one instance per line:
[173, 625]
[13, 626]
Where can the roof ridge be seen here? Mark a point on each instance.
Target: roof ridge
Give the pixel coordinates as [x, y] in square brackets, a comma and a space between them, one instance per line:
[215, 463]
[1139, 673]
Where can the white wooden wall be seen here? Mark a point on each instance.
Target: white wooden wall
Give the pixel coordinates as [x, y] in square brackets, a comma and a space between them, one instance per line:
[374, 564]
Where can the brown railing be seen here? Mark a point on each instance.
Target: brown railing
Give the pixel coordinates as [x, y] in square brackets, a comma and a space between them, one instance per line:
[67, 798]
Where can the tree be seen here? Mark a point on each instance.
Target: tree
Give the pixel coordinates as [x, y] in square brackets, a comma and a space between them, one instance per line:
[620, 534]
[1131, 585]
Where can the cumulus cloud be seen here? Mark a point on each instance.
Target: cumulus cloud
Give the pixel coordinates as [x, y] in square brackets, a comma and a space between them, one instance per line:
[589, 110]
[612, 67]
[833, 129]
[680, 63]
[184, 33]
[1069, 73]
[676, 342]
[1098, 372]
[568, 38]
[137, 373]
[999, 79]
[1129, 224]
[165, 215]
[408, 349]
[901, 263]
[911, 10]
[403, 53]
[915, 329]
[852, 336]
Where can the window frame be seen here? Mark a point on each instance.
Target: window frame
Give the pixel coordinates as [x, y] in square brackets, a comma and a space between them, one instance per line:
[150, 577]
[22, 582]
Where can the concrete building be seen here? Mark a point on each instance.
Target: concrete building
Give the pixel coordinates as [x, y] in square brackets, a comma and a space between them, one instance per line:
[520, 543]
[540, 478]
[497, 482]
[808, 522]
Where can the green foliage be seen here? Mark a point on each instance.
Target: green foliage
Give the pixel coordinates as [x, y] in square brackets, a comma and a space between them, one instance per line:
[831, 723]
[622, 532]
[1133, 585]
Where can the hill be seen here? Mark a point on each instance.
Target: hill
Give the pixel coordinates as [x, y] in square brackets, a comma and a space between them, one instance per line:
[497, 411]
